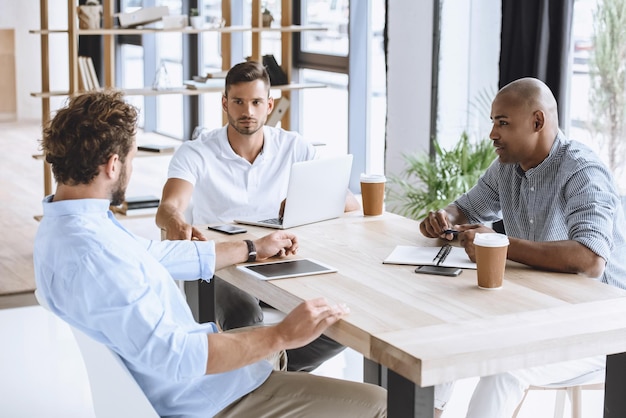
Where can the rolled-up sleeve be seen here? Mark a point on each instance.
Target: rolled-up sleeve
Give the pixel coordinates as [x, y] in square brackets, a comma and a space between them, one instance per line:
[185, 260]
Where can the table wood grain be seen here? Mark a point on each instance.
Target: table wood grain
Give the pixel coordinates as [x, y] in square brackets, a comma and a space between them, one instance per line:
[434, 329]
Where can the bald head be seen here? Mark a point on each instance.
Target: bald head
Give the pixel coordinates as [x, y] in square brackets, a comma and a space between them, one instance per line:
[525, 122]
[534, 95]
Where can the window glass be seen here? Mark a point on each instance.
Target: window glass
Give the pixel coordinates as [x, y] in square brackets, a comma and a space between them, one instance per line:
[590, 115]
[169, 73]
[132, 75]
[325, 111]
[333, 15]
[328, 50]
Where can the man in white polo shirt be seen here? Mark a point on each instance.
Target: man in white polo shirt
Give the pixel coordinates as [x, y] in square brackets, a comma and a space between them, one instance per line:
[239, 171]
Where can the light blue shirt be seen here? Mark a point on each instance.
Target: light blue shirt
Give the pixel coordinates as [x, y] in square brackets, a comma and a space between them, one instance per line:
[569, 196]
[120, 290]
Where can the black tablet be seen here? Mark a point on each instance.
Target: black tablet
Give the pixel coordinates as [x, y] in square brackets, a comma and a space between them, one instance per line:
[287, 268]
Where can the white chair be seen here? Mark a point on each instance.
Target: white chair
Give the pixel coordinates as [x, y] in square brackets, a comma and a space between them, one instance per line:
[114, 391]
[573, 389]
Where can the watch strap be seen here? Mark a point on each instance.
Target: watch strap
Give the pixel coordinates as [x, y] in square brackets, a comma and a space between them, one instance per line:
[251, 250]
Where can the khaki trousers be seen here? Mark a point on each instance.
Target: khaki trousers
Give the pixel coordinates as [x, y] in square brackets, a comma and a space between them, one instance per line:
[303, 395]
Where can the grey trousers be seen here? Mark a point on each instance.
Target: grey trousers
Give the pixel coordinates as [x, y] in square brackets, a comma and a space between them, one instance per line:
[235, 308]
[303, 395]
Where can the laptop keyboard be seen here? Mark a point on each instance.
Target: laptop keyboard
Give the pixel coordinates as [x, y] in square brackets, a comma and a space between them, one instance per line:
[273, 221]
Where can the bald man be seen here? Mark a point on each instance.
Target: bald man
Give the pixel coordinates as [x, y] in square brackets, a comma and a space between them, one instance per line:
[560, 209]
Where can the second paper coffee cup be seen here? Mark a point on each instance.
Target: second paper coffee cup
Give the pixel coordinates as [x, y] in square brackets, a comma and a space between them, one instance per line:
[373, 193]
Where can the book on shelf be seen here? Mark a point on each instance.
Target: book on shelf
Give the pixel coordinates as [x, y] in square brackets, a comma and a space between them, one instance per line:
[157, 148]
[92, 73]
[209, 83]
[83, 80]
[204, 78]
[88, 79]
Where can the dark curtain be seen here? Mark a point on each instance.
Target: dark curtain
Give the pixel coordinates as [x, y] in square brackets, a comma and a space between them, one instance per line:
[535, 42]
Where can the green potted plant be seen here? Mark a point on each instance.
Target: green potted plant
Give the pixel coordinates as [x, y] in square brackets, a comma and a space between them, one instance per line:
[195, 19]
[429, 184]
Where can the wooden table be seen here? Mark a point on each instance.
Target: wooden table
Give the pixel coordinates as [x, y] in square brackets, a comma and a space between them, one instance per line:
[421, 330]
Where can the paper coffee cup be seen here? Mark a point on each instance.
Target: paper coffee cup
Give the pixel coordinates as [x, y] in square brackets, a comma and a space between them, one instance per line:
[373, 193]
[491, 249]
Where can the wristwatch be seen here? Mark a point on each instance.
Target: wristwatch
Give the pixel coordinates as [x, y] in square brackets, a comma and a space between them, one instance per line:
[251, 250]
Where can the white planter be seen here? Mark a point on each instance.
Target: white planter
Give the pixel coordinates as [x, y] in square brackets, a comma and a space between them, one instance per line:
[197, 22]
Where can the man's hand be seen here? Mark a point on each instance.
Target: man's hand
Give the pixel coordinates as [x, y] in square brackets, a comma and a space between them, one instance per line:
[307, 322]
[183, 231]
[435, 223]
[279, 243]
[232, 350]
[466, 237]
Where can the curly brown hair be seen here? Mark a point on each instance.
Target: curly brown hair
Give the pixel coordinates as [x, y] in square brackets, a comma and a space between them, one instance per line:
[86, 133]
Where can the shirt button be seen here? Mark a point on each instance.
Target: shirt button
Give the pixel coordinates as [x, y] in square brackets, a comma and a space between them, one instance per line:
[532, 189]
[531, 221]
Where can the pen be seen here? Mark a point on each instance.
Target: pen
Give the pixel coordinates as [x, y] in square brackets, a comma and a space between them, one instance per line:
[450, 231]
[442, 254]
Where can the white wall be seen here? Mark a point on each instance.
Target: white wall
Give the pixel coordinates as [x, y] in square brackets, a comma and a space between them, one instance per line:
[26, 53]
[23, 16]
[408, 79]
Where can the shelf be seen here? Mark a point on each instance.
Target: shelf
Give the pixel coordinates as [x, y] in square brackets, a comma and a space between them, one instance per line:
[283, 30]
[187, 30]
[148, 91]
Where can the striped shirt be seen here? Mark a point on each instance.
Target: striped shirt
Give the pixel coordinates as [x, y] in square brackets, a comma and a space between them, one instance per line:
[569, 196]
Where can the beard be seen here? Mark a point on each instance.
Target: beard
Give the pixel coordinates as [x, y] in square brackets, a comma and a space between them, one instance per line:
[254, 125]
[118, 195]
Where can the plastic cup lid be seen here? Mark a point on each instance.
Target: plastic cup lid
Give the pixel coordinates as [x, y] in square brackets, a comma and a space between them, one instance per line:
[373, 178]
[490, 240]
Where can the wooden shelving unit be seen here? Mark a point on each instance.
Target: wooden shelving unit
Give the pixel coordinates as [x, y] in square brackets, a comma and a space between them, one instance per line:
[108, 32]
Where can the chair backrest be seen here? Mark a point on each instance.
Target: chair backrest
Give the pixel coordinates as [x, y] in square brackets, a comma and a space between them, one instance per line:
[592, 378]
[114, 391]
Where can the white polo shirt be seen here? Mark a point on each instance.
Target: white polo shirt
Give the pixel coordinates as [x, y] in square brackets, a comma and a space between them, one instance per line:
[227, 186]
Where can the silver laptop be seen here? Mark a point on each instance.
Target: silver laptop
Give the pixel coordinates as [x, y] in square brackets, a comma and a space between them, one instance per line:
[316, 192]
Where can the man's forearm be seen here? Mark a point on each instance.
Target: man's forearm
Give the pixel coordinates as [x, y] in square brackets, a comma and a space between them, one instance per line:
[165, 213]
[233, 350]
[562, 256]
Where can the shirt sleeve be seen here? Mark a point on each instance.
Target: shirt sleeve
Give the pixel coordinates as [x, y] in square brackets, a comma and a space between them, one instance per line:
[184, 260]
[185, 163]
[590, 208]
[482, 202]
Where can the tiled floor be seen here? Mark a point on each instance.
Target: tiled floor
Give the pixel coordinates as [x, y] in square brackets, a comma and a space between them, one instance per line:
[42, 375]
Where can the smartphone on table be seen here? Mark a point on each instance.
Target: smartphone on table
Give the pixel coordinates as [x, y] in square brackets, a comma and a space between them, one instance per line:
[228, 229]
[439, 270]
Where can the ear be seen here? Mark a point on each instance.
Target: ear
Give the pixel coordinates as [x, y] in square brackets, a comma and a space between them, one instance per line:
[224, 103]
[539, 119]
[111, 166]
[270, 104]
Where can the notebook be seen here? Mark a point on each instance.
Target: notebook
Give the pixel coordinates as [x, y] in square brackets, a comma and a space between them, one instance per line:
[316, 192]
[418, 256]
